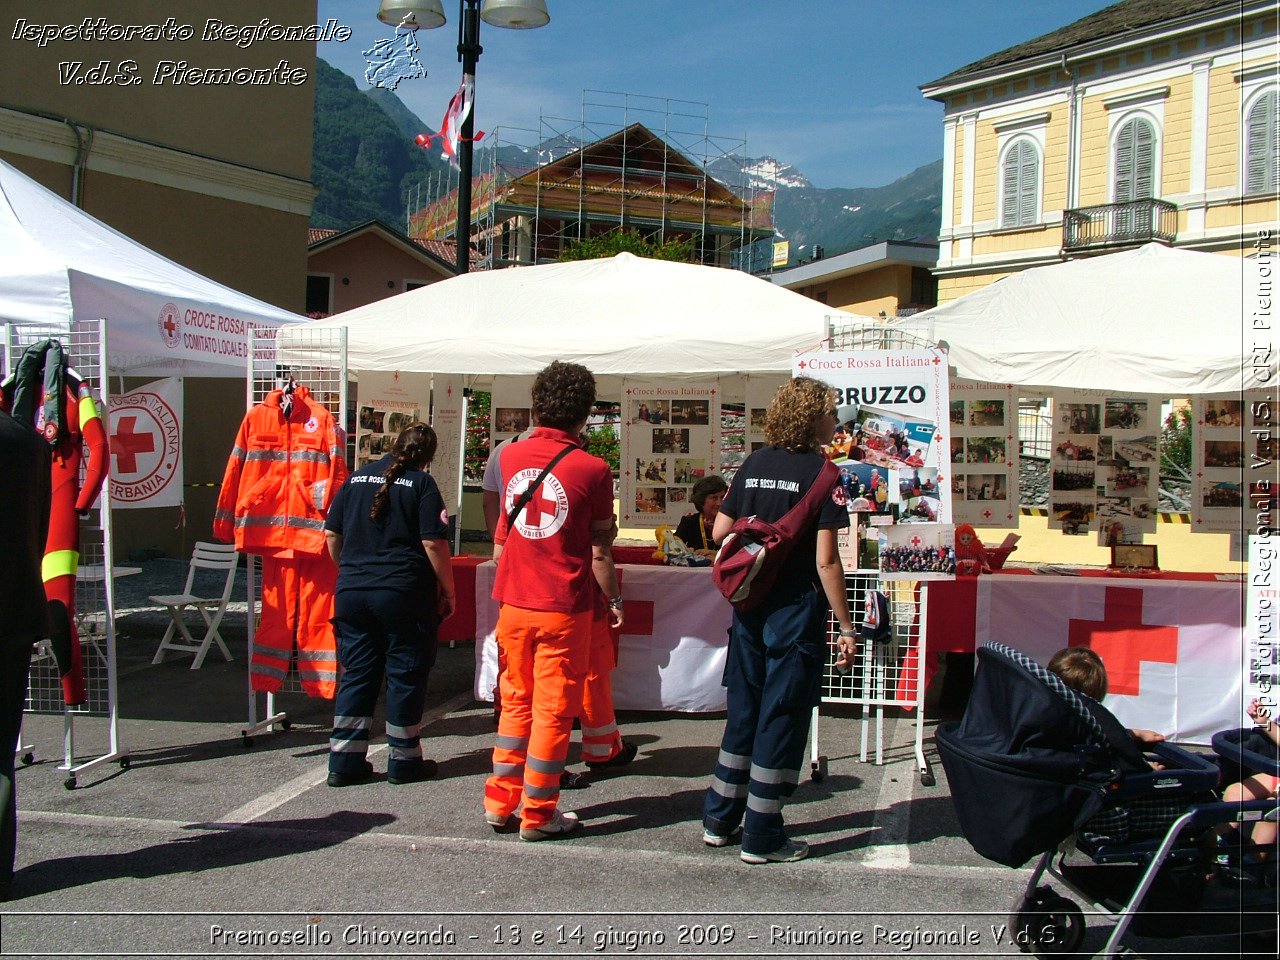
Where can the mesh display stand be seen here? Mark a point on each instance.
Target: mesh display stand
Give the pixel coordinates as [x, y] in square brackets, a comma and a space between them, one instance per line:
[317, 360]
[883, 674]
[85, 347]
[890, 674]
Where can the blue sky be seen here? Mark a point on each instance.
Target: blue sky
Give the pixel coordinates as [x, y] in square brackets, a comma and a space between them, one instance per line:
[830, 86]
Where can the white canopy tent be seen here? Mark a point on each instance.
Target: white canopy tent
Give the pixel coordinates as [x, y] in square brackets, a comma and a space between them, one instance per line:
[1154, 320]
[59, 265]
[622, 316]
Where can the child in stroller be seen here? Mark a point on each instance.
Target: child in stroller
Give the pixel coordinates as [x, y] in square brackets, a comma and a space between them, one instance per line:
[1031, 768]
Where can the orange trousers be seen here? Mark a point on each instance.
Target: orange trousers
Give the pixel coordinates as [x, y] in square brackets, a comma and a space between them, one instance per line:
[600, 737]
[297, 607]
[541, 691]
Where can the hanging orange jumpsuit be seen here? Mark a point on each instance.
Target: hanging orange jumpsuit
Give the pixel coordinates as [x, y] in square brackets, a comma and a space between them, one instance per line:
[281, 478]
[44, 392]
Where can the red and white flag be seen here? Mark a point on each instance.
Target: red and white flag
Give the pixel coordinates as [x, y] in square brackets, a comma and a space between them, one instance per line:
[451, 126]
[1172, 648]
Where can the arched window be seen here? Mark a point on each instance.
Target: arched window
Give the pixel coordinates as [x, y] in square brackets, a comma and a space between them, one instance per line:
[1262, 145]
[1020, 184]
[1135, 163]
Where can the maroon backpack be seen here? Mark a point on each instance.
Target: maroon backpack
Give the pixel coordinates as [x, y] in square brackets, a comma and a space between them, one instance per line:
[754, 550]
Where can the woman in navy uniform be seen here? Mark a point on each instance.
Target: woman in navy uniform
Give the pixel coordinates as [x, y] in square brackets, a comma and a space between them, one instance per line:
[778, 650]
[388, 533]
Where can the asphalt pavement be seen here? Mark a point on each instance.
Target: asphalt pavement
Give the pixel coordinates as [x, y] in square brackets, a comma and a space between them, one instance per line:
[204, 845]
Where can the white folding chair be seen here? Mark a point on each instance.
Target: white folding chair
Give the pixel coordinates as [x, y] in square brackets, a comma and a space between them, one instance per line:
[206, 556]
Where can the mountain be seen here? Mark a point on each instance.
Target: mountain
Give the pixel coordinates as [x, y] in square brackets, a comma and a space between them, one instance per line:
[840, 220]
[366, 165]
[362, 161]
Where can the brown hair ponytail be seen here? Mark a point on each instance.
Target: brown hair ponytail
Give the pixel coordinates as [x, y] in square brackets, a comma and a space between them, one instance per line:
[413, 450]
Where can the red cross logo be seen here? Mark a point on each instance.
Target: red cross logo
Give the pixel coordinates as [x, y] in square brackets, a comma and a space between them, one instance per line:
[987, 514]
[533, 510]
[1123, 641]
[168, 324]
[916, 541]
[126, 445]
[802, 365]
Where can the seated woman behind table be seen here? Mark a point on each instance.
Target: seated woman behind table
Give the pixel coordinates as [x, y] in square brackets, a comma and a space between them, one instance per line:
[695, 529]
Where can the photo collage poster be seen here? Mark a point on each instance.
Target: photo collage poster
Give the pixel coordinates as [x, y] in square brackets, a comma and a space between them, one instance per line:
[892, 441]
[670, 441]
[1104, 465]
[386, 404]
[1220, 461]
[447, 419]
[984, 453]
[759, 392]
[509, 407]
[921, 551]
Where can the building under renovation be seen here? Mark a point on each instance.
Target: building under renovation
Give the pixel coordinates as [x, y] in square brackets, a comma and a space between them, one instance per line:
[628, 164]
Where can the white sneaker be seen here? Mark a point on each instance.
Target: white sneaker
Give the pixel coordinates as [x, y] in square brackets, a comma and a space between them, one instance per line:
[496, 820]
[789, 852]
[558, 826]
[712, 839]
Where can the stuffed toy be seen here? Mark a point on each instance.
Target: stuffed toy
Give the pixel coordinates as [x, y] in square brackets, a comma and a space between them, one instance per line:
[971, 555]
[672, 550]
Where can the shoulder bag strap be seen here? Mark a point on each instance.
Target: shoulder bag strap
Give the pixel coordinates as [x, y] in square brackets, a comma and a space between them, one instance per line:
[810, 504]
[532, 488]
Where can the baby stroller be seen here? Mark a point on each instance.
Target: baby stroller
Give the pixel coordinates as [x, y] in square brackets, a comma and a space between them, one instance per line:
[1031, 772]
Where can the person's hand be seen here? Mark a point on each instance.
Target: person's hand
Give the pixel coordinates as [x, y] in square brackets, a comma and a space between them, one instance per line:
[1257, 713]
[444, 605]
[1147, 736]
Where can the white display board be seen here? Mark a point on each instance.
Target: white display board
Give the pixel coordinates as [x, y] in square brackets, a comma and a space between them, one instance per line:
[386, 404]
[670, 440]
[448, 408]
[984, 454]
[1220, 467]
[1104, 466]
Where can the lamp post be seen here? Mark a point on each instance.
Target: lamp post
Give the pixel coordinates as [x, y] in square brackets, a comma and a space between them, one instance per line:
[512, 14]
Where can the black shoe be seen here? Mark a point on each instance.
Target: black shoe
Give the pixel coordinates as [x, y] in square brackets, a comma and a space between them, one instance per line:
[574, 781]
[415, 774]
[351, 779]
[620, 759]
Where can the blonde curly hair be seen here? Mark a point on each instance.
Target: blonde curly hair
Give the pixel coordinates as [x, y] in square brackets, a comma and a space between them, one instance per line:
[792, 419]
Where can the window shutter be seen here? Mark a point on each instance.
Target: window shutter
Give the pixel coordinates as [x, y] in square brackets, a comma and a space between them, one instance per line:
[1262, 150]
[1009, 188]
[1027, 185]
[1144, 160]
[1124, 164]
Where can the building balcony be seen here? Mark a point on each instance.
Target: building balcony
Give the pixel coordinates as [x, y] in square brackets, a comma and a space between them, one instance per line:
[1115, 225]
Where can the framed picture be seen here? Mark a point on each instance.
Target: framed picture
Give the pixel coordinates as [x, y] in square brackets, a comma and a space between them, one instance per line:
[1134, 556]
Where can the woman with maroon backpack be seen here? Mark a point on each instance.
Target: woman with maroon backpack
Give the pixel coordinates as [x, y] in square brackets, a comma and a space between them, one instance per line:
[778, 649]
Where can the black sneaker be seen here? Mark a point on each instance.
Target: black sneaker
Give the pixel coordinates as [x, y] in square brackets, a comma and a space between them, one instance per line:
[574, 781]
[415, 774]
[351, 779]
[620, 759]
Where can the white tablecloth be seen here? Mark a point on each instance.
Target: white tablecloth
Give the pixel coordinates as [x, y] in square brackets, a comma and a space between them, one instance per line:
[672, 652]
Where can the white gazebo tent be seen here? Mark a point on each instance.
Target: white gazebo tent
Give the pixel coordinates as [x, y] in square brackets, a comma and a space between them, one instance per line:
[58, 265]
[1154, 320]
[622, 316]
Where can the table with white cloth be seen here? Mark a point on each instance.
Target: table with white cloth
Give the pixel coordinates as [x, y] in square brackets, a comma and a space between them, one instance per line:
[671, 654]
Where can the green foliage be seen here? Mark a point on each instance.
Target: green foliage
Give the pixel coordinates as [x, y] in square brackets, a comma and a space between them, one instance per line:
[627, 241]
[602, 442]
[361, 160]
[1175, 443]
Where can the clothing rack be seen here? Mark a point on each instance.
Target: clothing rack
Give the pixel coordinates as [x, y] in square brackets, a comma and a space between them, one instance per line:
[85, 347]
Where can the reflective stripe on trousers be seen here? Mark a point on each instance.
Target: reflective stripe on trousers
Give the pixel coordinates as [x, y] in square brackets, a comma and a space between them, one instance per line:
[297, 602]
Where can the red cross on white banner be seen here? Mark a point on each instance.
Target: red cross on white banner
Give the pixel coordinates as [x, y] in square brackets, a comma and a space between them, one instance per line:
[1123, 641]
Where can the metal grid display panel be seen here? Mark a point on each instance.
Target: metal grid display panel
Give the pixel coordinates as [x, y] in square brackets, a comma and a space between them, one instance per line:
[324, 373]
[82, 344]
[884, 674]
[848, 337]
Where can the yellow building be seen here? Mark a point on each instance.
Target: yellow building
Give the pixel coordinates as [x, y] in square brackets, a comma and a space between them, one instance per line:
[1148, 120]
[881, 280]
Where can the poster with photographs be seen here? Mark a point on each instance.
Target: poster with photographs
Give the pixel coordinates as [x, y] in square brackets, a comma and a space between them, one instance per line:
[387, 403]
[671, 433]
[509, 408]
[983, 420]
[1104, 466]
[759, 392]
[925, 551]
[447, 418]
[1222, 487]
[892, 441]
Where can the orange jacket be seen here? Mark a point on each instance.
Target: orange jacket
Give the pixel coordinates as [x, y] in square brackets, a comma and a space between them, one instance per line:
[281, 478]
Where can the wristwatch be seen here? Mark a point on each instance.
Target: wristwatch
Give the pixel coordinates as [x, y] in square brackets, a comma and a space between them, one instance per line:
[615, 603]
[848, 633]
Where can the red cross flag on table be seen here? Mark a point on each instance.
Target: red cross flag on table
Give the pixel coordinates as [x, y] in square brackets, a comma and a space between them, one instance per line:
[146, 446]
[1172, 648]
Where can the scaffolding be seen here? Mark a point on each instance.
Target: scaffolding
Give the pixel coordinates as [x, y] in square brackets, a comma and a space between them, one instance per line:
[648, 164]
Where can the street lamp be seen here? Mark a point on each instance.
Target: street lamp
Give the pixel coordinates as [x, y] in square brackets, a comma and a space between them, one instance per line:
[512, 14]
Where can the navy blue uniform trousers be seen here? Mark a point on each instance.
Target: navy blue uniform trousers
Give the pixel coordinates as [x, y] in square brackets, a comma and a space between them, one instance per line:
[381, 630]
[774, 679]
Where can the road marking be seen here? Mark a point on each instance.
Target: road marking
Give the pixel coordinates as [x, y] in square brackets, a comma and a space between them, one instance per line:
[891, 827]
[303, 782]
